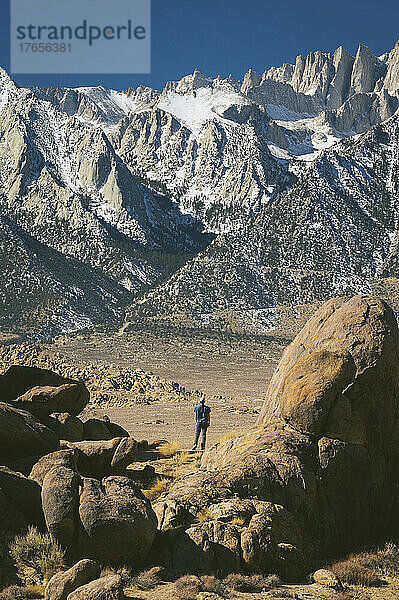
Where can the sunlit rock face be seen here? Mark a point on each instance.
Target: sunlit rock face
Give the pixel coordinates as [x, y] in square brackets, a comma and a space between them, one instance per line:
[317, 474]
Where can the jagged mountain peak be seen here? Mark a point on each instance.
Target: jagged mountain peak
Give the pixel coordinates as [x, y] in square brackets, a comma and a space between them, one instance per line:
[115, 179]
[189, 83]
[335, 232]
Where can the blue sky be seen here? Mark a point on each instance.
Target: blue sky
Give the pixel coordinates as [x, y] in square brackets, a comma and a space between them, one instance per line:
[230, 36]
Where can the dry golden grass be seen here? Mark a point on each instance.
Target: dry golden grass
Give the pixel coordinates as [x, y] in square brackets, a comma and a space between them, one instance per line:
[124, 571]
[204, 515]
[169, 449]
[368, 568]
[35, 591]
[183, 458]
[229, 435]
[157, 489]
[251, 583]
[16, 592]
[146, 580]
[353, 571]
[239, 520]
[170, 472]
[189, 586]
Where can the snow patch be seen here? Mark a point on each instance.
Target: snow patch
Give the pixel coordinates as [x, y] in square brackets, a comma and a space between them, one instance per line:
[203, 105]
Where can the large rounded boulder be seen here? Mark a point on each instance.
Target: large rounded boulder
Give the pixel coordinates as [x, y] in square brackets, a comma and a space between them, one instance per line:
[109, 520]
[42, 401]
[325, 448]
[103, 457]
[23, 435]
[20, 503]
[105, 588]
[61, 458]
[66, 426]
[118, 522]
[60, 501]
[65, 582]
[18, 379]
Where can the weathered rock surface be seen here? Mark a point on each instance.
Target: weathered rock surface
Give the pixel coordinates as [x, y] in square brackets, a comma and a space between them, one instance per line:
[23, 435]
[96, 429]
[41, 401]
[61, 458]
[60, 500]
[66, 426]
[116, 430]
[105, 588]
[65, 582]
[20, 503]
[102, 429]
[18, 379]
[328, 579]
[103, 457]
[323, 458]
[109, 520]
[118, 521]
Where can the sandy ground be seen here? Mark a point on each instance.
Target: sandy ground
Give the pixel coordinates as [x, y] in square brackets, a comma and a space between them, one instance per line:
[175, 422]
[295, 592]
[234, 371]
[234, 367]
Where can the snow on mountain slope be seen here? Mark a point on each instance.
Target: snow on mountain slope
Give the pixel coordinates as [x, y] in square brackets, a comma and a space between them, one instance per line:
[43, 292]
[188, 139]
[126, 183]
[336, 232]
[113, 104]
[205, 104]
[62, 183]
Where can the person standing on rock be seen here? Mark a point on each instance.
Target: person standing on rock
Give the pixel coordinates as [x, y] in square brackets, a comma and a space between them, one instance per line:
[203, 420]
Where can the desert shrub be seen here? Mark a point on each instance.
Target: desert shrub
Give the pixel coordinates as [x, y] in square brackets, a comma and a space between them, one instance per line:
[158, 488]
[352, 595]
[210, 583]
[36, 555]
[16, 592]
[169, 449]
[124, 571]
[352, 570]
[272, 581]
[367, 568]
[284, 594]
[183, 458]
[388, 560]
[187, 587]
[146, 580]
[251, 583]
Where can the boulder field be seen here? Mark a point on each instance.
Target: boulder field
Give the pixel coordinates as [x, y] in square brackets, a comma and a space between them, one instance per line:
[76, 487]
[315, 477]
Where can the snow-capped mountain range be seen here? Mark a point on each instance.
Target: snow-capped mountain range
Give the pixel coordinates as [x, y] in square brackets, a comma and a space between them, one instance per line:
[293, 173]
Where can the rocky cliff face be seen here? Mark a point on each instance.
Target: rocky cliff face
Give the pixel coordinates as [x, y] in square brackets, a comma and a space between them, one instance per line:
[334, 233]
[223, 149]
[126, 183]
[66, 195]
[317, 475]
